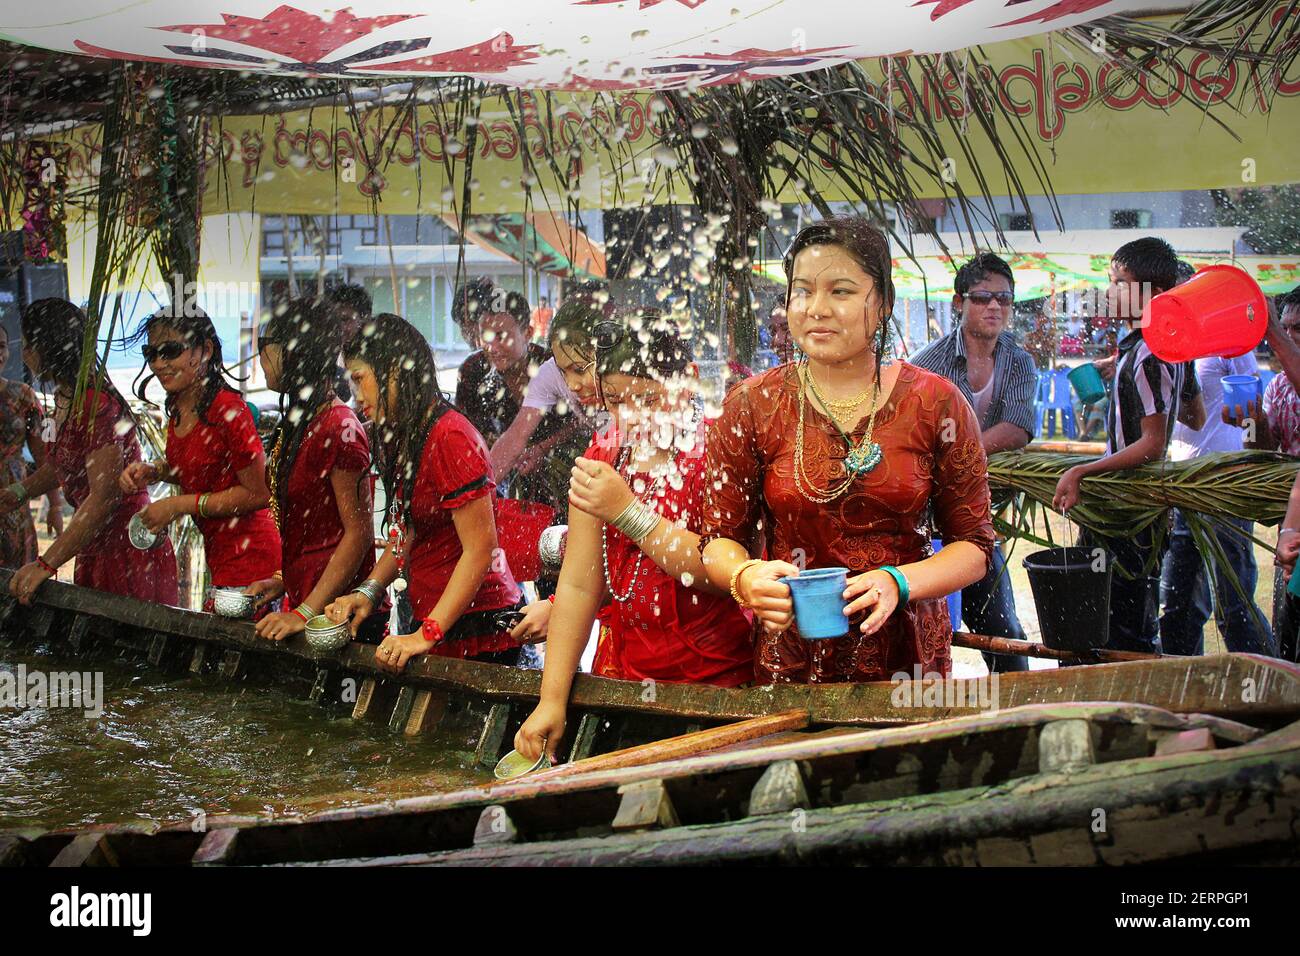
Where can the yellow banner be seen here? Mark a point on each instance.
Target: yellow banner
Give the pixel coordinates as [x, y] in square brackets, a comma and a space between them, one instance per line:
[1092, 135]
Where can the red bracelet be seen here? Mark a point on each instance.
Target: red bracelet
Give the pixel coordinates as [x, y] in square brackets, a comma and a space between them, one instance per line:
[551, 598]
[431, 630]
[298, 611]
[45, 564]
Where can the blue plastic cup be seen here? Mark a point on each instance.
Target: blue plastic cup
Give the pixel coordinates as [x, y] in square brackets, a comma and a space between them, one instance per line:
[819, 602]
[1240, 390]
[1088, 383]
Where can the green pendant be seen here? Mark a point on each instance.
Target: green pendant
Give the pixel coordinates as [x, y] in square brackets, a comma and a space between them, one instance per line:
[862, 459]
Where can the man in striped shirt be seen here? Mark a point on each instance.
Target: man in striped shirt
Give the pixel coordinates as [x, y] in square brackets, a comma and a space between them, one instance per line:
[998, 378]
[1144, 398]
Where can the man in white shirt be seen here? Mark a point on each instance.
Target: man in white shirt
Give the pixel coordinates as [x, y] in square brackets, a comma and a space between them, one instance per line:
[546, 391]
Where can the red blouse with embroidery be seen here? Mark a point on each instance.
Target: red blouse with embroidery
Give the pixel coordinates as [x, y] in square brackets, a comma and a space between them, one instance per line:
[933, 465]
[454, 470]
[245, 548]
[667, 631]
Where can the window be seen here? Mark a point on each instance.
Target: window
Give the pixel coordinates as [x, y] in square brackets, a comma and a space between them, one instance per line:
[1015, 221]
[1130, 218]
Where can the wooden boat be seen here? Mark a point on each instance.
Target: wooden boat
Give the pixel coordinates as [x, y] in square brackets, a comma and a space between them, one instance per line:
[1180, 756]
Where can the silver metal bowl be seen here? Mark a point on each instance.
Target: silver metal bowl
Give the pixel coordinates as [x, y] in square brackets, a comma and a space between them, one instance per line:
[515, 764]
[324, 635]
[551, 546]
[232, 602]
[140, 536]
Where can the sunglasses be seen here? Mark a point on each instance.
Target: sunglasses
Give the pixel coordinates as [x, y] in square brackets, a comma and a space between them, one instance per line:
[168, 351]
[984, 298]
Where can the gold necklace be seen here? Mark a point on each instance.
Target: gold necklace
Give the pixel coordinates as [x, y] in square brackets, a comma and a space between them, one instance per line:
[839, 405]
[843, 414]
[861, 458]
[273, 464]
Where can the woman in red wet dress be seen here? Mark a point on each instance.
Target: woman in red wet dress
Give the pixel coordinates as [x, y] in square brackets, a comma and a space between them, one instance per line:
[214, 453]
[92, 446]
[319, 472]
[841, 462]
[633, 499]
[442, 532]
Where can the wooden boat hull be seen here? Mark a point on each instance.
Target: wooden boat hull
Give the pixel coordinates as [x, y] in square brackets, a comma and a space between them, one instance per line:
[1079, 784]
[1177, 753]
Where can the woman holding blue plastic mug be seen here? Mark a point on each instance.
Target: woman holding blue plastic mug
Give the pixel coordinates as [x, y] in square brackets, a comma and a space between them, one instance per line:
[839, 460]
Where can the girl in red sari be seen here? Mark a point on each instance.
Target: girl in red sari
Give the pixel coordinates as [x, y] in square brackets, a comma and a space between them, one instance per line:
[441, 492]
[214, 453]
[633, 499]
[92, 446]
[319, 472]
[841, 461]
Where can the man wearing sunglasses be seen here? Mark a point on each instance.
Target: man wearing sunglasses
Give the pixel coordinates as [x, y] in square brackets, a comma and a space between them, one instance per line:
[998, 378]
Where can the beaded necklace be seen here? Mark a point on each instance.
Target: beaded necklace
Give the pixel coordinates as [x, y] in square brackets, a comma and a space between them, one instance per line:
[654, 489]
[397, 541]
[861, 458]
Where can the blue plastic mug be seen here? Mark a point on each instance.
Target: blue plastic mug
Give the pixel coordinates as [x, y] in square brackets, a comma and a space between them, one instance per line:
[819, 603]
[1240, 390]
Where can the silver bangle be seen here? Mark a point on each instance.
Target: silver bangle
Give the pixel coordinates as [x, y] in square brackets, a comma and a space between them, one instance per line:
[371, 590]
[637, 521]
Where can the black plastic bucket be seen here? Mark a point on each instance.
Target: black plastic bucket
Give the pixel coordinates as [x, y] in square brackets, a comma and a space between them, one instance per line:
[1072, 597]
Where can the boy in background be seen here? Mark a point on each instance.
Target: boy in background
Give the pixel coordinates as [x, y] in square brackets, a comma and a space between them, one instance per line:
[1144, 406]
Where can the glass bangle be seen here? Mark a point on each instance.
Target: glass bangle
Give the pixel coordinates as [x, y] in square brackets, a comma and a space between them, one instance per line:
[904, 592]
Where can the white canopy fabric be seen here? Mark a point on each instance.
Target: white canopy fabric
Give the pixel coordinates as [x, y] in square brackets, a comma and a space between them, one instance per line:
[561, 44]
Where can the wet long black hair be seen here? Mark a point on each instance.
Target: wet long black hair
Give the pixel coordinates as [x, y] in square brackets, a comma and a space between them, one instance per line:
[310, 332]
[55, 329]
[195, 329]
[392, 347]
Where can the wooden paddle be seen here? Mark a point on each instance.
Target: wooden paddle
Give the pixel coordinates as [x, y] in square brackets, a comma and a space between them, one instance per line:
[1005, 645]
[687, 745]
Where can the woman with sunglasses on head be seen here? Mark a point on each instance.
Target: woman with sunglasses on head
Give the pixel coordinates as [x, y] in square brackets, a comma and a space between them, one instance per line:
[318, 472]
[214, 453]
[93, 443]
[839, 459]
[441, 529]
[634, 502]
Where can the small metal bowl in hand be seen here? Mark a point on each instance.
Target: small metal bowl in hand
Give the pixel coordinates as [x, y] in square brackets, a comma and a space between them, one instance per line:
[324, 635]
[232, 602]
[140, 536]
[515, 764]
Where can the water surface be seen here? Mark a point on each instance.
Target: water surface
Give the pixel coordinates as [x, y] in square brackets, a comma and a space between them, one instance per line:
[166, 748]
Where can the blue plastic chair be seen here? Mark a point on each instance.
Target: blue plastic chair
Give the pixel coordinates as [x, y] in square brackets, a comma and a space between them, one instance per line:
[1042, 396]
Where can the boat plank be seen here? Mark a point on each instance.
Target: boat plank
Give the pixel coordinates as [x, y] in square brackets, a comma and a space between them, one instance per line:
[1161, 810]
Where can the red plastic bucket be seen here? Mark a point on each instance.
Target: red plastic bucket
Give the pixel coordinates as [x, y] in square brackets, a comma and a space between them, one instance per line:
[1219, 311]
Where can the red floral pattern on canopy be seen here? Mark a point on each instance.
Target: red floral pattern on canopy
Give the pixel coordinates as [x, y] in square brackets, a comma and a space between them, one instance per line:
[559, 44]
